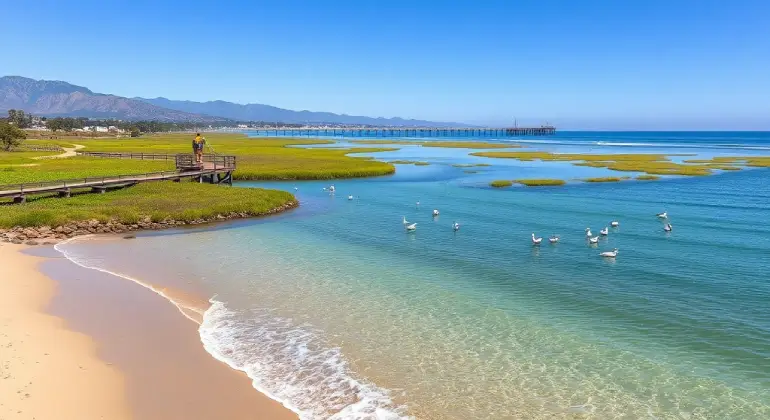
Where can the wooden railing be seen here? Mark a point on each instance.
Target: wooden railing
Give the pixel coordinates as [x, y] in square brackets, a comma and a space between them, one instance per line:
[183, 161]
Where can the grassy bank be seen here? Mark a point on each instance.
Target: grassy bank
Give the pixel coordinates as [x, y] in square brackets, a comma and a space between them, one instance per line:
[606, 179]
[647, 177]
[540, 182]
[184, 201]
[260, 158]
[651, 164]
[448, 144]
[500, 183]
[409, 162]
[73, 168]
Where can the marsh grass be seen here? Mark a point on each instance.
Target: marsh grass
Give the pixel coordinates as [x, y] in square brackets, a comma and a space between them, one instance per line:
[647, 177]
[501, 183]
[470, 165]
[540, 182]
[409, 162]
[652, 164]
[78, 167]
[447, 144]
[606, 179]
[261, 158]
[183, 201]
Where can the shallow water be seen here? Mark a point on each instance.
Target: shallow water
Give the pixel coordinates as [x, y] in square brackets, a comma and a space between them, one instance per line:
[336, 311]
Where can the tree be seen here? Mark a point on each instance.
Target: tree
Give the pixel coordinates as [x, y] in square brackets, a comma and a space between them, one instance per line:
[19, 118]
[10, 136]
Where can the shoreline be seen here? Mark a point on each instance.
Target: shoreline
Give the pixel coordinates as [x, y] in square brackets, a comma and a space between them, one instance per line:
[156, 366]
[49, 370]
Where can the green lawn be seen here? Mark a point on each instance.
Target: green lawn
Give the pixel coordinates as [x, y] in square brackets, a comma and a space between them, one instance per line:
[183, 201]
[77, 167]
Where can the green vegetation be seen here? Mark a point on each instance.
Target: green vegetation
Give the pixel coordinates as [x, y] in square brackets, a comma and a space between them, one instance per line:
[184, 201]
[72, 168]
[470, 165]
[539, 182]
[727, 161]
[653, 164]
[501, 183]
[449, 144]
[260, 158]
[409, 162]
[647, 177]
[10, 136]
[606, 179]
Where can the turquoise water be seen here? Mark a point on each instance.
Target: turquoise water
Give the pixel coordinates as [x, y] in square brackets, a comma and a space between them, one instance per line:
[339, 313]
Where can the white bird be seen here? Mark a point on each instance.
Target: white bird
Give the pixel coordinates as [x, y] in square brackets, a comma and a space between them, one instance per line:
[588, 233]
[663, 215]
[614, 223]
[350, 197]
[536, 241]
[296, 189]
[594, 240]
[405, 222]
[412, 227]
[455, 226]
[435, 212]
[331, 189]
[610, 254]
[323, 189]
[604, 232]
[418, 204]
[668, 227]
[553, 239]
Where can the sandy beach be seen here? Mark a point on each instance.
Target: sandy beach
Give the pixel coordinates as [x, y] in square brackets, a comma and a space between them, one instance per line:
[80, 344]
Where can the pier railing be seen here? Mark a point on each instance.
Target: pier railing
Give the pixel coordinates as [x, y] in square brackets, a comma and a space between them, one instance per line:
[183, 161]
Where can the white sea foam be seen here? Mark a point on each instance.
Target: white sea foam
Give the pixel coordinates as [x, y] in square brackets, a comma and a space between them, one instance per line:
[291, 364]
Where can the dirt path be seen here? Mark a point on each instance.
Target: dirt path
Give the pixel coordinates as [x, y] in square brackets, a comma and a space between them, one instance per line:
[68, 152]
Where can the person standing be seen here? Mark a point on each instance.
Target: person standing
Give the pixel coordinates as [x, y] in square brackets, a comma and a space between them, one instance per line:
[197, 145]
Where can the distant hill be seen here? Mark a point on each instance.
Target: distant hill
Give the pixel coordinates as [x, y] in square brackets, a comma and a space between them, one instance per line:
[62, 99]
[259, 112]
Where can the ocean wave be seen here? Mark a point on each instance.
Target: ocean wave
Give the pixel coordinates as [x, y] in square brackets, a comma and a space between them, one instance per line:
[291, 364]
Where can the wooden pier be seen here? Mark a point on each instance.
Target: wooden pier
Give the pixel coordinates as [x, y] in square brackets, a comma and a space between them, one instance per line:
[215, 169]
[409, 132]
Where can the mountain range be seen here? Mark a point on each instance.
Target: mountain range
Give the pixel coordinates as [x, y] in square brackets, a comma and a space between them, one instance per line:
[62, 99]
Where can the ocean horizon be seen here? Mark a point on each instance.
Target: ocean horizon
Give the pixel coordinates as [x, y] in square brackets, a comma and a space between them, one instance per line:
[337, 312]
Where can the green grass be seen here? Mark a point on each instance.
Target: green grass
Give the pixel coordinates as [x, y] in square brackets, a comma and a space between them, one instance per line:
[409, 162]
[21, 158]
[183, 201]
[78, 167]
[647, 177]
[469, 165]
[540, 182]
[729, 161]
[260, 158]
[653, 164]
[501, 183]
[606, 179]
[448, 144]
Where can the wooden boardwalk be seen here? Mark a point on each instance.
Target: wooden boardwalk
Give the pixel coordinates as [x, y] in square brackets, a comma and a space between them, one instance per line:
[215, 169]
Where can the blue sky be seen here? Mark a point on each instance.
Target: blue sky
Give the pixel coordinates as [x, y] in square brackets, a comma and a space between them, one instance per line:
[577, 64]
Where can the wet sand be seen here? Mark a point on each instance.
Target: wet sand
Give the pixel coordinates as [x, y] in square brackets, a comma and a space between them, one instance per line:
[48, 371]
[118, 350]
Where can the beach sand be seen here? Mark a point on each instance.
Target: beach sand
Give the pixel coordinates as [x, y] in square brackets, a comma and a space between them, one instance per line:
[48, 371]
[107, 348]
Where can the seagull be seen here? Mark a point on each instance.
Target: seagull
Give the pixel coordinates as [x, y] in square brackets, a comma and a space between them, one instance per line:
[663, 215]
[614, 223]
[588, 233]
[593, 239]
[331, 189]
[536, 241]
[350, 197]
[418, 204]
[435, 213]
[604, 232]
[455, 226]
[411, 228]
[610, 254]
[668, 227]
[553, 239]
[296, 189]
